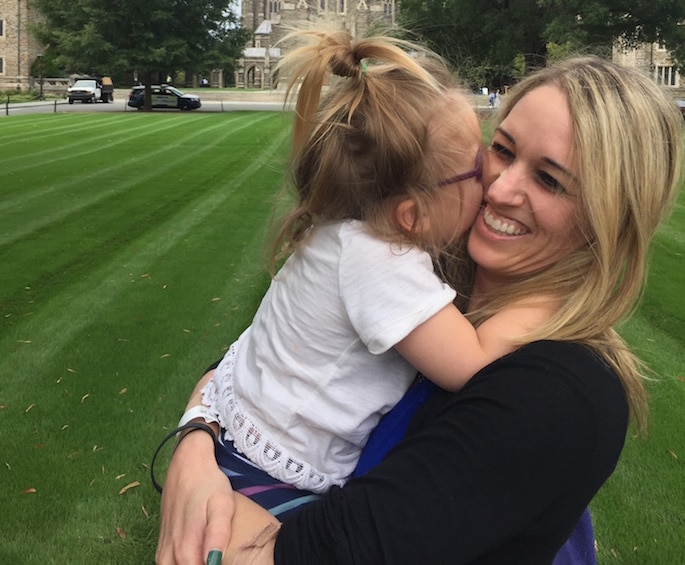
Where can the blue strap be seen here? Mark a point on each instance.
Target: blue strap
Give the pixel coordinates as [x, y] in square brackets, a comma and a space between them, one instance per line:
[580, 547]
[393, 426]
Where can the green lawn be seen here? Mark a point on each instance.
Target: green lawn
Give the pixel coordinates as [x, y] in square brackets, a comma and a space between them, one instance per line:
[130, 258]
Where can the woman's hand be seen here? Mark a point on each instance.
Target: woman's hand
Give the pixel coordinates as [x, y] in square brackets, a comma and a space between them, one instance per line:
[197, 504]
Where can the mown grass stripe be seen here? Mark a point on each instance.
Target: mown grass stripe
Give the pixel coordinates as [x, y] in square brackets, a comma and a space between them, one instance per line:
[90, 146]
[23, 223]
[96, 157]
[43, 130]
[99, 230]
[65, 315]
[114, 419]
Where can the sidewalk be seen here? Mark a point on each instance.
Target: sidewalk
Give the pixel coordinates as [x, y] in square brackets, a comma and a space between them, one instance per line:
[478, 101]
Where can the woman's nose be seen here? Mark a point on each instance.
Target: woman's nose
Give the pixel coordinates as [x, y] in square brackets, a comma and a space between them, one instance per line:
[506, 185]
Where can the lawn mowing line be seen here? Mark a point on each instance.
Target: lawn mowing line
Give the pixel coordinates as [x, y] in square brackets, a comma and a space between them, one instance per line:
[71, 127]
[25, 196]
[29, 227]
[66, 314]
[15, 301]
[124, 137]
[91, 143]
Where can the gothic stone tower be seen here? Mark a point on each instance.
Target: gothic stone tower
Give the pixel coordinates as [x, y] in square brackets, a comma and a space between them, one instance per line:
[271, 20]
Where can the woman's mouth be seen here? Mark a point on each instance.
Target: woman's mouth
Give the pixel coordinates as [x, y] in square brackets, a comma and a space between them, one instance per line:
[503, 226]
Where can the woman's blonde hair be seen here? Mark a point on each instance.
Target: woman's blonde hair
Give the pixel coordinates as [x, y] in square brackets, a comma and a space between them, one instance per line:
[362, 147]
[627, 141]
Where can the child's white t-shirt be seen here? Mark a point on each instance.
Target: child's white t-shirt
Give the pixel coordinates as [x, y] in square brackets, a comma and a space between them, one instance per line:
[302, 388]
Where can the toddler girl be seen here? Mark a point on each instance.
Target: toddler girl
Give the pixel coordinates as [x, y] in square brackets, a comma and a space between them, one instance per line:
[387, 167]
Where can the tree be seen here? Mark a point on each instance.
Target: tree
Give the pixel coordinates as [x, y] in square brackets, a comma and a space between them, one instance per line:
[148, 36]
[489, 36]
[228, 45]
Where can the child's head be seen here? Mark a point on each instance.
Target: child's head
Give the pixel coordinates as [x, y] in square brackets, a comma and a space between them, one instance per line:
[391, 127]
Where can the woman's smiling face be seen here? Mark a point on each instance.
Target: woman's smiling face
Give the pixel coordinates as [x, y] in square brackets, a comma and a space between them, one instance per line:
[531, 216]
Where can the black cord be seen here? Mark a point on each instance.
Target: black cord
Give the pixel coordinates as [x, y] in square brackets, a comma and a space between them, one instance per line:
[192, 426]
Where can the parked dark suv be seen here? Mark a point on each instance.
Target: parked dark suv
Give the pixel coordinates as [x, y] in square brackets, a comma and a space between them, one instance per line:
[163, 96]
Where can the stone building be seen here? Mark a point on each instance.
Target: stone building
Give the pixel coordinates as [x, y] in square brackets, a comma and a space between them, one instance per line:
[271, 20]
[18, 49]
[654, 59]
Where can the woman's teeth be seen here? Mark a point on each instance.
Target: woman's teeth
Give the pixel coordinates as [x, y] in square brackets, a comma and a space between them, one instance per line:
[500, 225]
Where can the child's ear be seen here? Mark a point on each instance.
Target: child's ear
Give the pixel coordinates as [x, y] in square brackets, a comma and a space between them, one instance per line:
[406, 216]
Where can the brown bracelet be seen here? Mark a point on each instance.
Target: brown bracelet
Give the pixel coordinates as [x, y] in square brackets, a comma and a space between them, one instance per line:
[181, 431]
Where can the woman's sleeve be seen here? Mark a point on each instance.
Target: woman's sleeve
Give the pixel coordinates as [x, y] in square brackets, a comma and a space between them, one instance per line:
[509, 462]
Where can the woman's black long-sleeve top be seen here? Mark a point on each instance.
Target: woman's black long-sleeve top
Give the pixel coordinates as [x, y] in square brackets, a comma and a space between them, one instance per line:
[498, 473]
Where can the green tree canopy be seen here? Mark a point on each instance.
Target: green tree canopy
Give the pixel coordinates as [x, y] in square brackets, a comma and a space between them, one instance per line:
[148, 36]
[487, 39]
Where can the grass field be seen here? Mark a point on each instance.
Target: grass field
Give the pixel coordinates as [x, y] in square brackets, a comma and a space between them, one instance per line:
[130, 258]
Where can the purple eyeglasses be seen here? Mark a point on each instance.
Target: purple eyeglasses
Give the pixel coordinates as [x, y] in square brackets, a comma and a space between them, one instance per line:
[476, 172]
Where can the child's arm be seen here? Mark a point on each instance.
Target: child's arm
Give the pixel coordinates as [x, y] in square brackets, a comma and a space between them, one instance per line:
[448, 350]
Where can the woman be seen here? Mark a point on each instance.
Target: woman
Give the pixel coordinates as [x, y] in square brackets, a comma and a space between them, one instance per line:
[583, 166]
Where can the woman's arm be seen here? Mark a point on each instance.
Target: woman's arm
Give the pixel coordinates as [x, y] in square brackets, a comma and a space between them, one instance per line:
[197, 500]
[499, 472]
[198, 505]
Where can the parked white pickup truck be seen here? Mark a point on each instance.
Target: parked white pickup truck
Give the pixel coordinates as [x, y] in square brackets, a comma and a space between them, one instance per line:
[91, 90]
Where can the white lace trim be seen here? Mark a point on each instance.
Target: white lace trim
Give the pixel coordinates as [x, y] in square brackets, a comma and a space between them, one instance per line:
[254, 443]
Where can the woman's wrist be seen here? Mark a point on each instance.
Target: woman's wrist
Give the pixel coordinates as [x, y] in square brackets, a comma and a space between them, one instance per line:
[196, 425]
[203, 442]
[209, 431]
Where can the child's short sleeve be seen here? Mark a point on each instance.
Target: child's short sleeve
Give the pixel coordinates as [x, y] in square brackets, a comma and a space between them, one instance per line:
[387, 289]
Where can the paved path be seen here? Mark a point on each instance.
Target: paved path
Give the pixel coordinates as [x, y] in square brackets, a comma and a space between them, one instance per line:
[213, 100]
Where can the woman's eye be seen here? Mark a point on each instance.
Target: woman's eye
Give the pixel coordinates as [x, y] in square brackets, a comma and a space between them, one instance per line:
[501, 151]
[550, 183]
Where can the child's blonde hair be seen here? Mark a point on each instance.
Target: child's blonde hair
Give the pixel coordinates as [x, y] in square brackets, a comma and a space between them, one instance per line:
[364, 146]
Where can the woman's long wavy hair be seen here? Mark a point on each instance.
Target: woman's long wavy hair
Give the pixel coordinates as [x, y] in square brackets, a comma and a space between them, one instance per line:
[627, 139]
[362, 146]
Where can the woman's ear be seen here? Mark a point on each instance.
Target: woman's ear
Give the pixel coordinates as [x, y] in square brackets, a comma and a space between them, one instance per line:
[406, 215]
